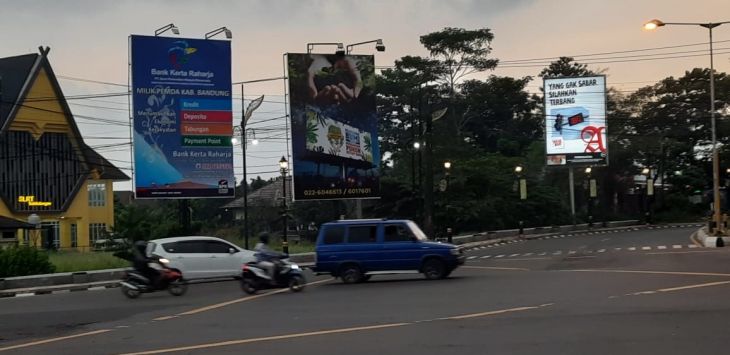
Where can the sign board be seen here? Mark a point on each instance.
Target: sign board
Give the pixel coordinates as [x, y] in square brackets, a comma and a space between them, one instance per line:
[183, 122]
[575, 121]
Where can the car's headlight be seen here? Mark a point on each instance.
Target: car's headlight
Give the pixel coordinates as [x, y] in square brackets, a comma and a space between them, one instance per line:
[164, 261]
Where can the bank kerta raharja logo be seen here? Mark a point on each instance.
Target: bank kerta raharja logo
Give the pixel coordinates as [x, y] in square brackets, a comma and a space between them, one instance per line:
[180, 53]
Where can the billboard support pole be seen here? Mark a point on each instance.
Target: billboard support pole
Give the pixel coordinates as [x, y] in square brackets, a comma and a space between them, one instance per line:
[571, 184]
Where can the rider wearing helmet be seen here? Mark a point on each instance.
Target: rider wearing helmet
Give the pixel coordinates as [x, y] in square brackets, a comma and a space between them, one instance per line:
[141, 261]
[265, 257]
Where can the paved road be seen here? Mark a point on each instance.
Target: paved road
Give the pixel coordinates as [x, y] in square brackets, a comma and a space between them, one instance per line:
[670, 300]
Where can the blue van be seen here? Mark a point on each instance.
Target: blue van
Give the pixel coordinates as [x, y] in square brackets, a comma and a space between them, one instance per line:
[354, 250]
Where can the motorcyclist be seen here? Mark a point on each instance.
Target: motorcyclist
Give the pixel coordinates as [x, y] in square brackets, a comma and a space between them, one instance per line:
[141, 261]
[267, 258]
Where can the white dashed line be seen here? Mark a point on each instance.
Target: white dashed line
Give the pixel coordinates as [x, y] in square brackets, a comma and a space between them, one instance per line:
[528, 254]
[676, 246]
[24, 294]
[557, 252]
[472, 257]
[543, 253]
[499, 256]
[571, 252]
[692, 246]
[617, 249]
[601, 250]
[645, 248]
[632, 248]
[513, 255]
[486, 256]
[661, 247]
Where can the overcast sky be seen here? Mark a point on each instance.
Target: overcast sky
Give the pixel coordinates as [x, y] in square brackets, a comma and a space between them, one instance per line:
[88, 40]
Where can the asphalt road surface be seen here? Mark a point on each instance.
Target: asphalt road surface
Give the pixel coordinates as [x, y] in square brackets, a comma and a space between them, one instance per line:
[632, 292]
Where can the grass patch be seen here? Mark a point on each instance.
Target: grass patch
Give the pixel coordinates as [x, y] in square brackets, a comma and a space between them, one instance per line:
[71, 261]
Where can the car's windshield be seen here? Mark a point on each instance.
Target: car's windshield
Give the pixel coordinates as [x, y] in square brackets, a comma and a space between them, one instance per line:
[417, 231]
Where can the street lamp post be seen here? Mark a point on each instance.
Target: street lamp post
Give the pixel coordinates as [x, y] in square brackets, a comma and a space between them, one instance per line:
[591, 195]
[654, 24]
[522, 188]
[447, 174]
[649, 193]
[284, 166]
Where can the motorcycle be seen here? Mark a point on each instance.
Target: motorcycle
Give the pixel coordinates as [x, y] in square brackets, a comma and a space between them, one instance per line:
[134, 283]
[288, 274]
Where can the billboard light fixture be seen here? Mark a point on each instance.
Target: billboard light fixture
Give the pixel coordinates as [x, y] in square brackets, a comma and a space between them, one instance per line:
[167, 27]
[223, 29]
[339, 51]
[379, 46]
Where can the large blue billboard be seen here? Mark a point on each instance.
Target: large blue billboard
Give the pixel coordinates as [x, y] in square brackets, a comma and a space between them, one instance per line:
[181, 94]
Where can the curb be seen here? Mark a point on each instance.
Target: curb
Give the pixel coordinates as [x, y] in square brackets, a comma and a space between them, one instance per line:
[103, 285]
[514, 239]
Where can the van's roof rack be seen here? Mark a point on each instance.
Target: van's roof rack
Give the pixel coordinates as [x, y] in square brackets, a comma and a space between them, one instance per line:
[363, 220]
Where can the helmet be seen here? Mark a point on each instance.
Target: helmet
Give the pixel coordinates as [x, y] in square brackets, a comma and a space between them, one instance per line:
[264, 238]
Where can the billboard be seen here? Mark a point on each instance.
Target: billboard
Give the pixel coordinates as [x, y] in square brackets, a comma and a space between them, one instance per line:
[181, 103]
[575, 121]
[335, 151]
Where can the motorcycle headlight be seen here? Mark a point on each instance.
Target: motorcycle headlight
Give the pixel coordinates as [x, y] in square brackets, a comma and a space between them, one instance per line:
[164, 261]
[295, 266]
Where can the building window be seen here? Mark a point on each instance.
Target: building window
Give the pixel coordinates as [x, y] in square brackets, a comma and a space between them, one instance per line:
[74, 235]
[97, 194]
[97, 231]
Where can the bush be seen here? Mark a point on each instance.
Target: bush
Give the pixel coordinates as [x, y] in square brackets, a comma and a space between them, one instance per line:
[24, 260]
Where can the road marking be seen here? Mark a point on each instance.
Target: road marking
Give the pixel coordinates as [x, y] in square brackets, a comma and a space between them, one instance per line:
[687, 252]
[337, 331]
[680, 288]
[571, 252]
[164, 318]
[650, 272]
[24, 294]
[645, 248]
[513, 255]
[496, 268]
[557, 252]
[632, 248]
[499, 256]
[528, 254]
[581, 257]
[523, 259]
[51, 340]
[677, 246]
[601, 250]
[661, 247]
[605, 239]
[486, 256]
[543, 253]
[244, 299]
[617, 249]
[692, 246]
[472, 257]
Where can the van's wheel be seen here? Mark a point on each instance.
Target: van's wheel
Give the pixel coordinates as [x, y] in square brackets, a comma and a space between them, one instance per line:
[434, 269]
[350, 274]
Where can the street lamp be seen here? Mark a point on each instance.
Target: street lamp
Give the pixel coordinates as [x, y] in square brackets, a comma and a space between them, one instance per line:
[654, 24]
[447, 175]
[245, 135]
[522, 183]
[339, 51]
[592, 193]
[216, 31]
[379, 46]
[170, 27]
[35, 220]
[649, 193]
[284, 166]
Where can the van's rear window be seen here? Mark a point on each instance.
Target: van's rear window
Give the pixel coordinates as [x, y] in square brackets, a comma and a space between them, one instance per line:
[333, 235]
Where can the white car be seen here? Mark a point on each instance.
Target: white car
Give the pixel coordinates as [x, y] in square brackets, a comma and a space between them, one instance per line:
[200, 257]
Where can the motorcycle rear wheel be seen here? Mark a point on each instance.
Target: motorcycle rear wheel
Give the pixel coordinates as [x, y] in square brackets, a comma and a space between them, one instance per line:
[248, 285]
[177, 287]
